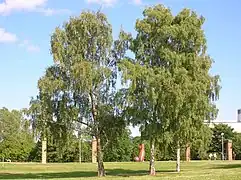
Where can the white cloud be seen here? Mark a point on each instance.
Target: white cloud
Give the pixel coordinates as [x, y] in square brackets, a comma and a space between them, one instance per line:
[6, 37]
[109, 3]
[33, 48]
[137, 2]
[50, 12]
[29, 47]
[9, 6]
[24, 43]
[102, 2]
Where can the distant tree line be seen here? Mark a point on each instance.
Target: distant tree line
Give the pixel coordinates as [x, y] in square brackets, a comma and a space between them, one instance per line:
[19, 144]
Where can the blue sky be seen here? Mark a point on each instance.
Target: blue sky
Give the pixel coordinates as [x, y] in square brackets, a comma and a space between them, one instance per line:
[26, 26]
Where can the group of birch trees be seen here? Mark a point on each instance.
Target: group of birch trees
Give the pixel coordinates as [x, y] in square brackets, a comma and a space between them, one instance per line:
[166, 86]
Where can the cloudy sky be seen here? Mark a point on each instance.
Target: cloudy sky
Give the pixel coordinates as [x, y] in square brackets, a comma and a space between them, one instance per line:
[26, 26]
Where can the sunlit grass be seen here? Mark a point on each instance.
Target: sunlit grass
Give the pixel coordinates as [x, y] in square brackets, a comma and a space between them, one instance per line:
[214, 170]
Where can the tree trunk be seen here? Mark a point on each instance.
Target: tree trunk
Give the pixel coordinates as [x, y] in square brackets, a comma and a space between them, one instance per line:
[178, 157]
[152, 170]
[79, 149]
[44, 150]
[188, 153]
[101, 169]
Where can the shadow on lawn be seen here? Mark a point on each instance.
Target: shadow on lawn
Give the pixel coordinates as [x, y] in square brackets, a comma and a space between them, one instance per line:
[76, 174]
[227, 166]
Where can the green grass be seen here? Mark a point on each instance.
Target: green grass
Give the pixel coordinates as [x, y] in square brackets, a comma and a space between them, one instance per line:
[196, 170]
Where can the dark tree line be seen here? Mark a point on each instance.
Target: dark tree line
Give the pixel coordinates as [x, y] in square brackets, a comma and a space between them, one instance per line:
[18, 144]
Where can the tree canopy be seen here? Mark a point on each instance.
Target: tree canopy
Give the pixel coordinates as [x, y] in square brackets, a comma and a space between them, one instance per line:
[170, 87]
[16, 139]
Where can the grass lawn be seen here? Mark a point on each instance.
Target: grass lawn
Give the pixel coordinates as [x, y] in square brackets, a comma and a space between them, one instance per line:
[196, 170]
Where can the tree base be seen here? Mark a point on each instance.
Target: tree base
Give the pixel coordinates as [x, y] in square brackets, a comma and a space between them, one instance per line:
[152, 172]
[101, 169]
[101, 173]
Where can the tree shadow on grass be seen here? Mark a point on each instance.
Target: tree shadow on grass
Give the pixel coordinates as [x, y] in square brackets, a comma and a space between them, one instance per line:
[127, 172]
[227, 166]
[77, 174]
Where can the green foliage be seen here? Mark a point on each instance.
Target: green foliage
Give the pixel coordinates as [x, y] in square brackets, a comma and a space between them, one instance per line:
[216, 143]
[166, 152]
[69, 154]
[82, 51]
[120, 149]
[237, 145]
[36, 152]
[17, 143]
[135, 148]
[16, 138]
[170, 90]
[200, 145]
[78, 91]
[86, 152]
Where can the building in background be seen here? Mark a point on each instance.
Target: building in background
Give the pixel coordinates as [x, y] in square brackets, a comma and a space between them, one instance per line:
[235, 124]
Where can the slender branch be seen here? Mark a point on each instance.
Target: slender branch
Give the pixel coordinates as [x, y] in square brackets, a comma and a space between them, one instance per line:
[107, 141]
[84, 123]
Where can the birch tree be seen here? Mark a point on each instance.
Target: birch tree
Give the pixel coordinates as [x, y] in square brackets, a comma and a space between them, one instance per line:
[82, 49]
[171, 89]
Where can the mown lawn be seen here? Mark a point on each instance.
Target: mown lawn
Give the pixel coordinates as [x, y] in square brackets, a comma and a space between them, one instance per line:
[195, 170]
